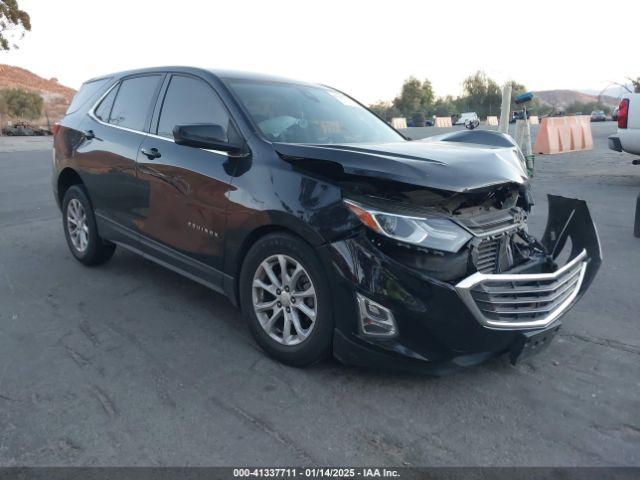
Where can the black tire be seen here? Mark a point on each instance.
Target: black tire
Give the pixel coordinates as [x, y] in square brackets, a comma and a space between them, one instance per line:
[97, 250]
[317, 345]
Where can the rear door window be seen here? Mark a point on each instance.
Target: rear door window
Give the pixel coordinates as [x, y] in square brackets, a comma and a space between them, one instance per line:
[133, 101]
[190, 100]
[87, 91]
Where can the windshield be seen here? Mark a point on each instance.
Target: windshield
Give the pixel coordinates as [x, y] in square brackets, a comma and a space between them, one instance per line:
[294, 113]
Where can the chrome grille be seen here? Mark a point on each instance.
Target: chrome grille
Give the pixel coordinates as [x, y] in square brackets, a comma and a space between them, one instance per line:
[487, 256]
[515, 301]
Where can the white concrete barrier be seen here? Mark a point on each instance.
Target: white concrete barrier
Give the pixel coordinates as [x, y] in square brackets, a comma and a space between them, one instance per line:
[399, 122]
[443, 122]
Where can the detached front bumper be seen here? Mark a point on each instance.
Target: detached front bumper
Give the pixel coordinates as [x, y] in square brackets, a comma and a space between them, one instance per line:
[443, 326]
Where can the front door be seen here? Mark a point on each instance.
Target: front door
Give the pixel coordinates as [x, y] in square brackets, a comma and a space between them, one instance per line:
[184, 221]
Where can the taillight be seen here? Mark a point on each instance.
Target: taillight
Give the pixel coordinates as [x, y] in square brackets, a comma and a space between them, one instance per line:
[55, 128]
[623, 113]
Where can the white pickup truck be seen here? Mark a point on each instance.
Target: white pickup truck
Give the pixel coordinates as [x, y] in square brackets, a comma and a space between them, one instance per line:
[627, 138]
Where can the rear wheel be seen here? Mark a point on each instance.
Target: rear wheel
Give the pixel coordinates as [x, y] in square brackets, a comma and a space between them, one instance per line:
[285, 299]
[80, 229]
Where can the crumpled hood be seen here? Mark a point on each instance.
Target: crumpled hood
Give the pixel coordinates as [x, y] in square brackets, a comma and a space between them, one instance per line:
[445, 165]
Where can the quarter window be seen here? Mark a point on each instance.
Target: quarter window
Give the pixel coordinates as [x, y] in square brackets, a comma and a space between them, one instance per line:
[86, 92]
[104, 109]
[133, 102]
[189, 100]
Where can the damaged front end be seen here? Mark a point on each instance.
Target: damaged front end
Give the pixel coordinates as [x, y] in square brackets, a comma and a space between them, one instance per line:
[442, 271]
[506, 277]
[502, 292]
[542, 284]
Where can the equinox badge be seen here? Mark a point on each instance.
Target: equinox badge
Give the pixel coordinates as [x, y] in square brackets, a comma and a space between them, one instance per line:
[200, 228]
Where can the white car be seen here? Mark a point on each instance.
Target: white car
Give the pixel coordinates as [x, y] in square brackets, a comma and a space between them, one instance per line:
[470, 116]
[627, 138]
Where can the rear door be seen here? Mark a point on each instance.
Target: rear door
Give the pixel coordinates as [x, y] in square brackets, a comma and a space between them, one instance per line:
[115, 130]
[184, 222]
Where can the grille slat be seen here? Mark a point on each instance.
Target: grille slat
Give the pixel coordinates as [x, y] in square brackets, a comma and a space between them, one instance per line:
[522, 300]
[489, 263]
[529, 299]
[487, 259]
[528, 309]
[538, 290]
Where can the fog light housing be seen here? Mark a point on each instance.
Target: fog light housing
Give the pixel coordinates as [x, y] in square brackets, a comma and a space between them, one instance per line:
[375, 320]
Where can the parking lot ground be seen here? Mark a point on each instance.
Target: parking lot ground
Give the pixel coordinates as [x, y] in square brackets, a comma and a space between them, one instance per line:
[131, 364]
[24, 144]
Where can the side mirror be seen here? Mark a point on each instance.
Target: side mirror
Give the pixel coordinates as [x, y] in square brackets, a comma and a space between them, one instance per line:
[204, 135]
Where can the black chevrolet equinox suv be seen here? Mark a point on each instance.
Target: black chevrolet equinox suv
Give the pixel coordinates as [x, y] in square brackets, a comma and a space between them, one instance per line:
[333, 232]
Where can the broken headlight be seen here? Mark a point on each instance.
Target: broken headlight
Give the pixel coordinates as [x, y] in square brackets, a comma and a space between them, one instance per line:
[429, 232]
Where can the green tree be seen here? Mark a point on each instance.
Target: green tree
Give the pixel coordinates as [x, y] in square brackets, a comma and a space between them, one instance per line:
[385, 110]
[427, 94]
[481, 94]
[536, 107]
[444, 106]
[636, 84]
[22, 104]
[13, 23]
[416, 96]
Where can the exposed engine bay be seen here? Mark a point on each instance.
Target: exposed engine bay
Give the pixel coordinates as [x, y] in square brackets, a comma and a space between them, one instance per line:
[496, 217]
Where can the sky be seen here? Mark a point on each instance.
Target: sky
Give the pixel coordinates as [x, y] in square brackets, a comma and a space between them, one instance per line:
[365, 48]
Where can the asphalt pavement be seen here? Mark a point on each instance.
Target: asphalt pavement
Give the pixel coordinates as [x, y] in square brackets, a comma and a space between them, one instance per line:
[131, 364]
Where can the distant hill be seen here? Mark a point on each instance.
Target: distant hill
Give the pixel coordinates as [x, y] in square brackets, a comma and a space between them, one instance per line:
[612, 91]
[56, 96]
[562, 98]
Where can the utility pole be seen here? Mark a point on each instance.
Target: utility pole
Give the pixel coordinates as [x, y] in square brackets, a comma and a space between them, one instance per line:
[505, 109]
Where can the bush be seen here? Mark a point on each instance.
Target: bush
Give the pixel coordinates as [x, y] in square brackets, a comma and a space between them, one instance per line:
[385, 110]
[418, 119]
[21, 103]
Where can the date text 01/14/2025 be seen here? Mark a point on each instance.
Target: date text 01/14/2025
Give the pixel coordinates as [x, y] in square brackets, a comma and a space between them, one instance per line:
[316, 472]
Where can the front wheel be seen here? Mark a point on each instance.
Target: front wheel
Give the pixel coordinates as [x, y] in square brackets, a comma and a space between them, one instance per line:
[285, 298]
[80, 229]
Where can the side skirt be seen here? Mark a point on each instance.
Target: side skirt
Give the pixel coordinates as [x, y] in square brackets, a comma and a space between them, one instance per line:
[165, 256]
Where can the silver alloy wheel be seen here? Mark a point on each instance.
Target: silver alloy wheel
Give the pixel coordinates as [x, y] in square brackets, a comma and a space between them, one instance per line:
[77, 225]
[284, 299]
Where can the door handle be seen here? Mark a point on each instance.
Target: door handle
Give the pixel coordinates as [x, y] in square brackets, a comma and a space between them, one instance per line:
[151, 153]
[89, 134]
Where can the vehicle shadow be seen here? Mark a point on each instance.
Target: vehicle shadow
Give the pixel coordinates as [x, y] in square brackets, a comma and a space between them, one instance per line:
[220, 313]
